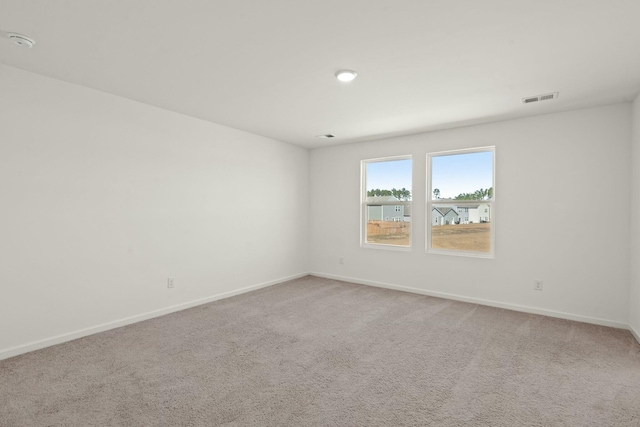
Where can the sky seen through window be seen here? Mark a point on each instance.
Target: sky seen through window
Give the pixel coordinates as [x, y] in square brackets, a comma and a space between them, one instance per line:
[452, 174]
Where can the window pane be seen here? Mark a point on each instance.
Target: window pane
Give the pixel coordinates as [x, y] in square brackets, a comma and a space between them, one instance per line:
[466, 231]
[388, 202]
[386, 226]
[467, 176]
[462, 208]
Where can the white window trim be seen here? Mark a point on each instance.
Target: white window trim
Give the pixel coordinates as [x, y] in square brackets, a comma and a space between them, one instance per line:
[363, 205]
[430, 203]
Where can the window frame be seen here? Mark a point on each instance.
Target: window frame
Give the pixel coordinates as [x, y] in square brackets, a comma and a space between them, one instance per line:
[364, 205]
[430, 203]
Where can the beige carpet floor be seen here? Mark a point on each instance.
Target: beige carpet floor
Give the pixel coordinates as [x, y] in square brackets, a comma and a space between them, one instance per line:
[317, 352]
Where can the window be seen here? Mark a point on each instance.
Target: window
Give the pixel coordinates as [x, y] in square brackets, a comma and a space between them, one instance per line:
[460, 190]
[386, 203]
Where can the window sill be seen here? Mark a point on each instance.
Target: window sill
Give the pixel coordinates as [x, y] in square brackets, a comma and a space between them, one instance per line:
[486, 255]
[381, 246]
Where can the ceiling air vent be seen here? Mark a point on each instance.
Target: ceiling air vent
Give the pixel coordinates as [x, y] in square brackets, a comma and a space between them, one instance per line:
[544, 97]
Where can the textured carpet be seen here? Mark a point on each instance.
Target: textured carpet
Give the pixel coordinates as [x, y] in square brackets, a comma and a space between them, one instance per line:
[317, 352]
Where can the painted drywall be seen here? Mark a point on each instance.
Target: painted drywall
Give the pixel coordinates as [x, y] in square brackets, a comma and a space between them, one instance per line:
[561, 215]
[104, 198]
[634, 298]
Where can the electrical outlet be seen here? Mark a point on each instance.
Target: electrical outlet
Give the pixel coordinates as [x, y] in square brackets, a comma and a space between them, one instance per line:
[170, 283]
[537, 285]
[340, 260]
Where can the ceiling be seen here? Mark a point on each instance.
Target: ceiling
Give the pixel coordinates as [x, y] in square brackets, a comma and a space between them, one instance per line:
[267, 67]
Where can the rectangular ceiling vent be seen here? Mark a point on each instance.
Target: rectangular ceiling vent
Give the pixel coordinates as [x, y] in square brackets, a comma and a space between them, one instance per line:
[545, 97]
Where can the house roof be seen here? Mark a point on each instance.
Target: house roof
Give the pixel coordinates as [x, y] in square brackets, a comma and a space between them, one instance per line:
[445, 210]
[380, 199]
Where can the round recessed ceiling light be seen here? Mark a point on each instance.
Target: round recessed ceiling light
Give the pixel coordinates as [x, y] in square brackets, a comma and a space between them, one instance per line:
[346, 75]
[20, 40]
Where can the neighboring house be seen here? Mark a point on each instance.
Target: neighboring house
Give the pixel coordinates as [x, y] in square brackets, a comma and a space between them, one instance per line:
[473, 214]
[380, 212]
[463, 214]
[442, 215]
[484, 212]
[407, 213]
[480, 213]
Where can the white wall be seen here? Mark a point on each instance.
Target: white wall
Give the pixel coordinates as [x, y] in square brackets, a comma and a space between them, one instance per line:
[102, 199]
[634, 307]
[559, 163]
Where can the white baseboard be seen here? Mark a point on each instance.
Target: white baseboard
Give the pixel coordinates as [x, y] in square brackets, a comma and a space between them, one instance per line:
[635, 333]
[508, 306]
[58, 339]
